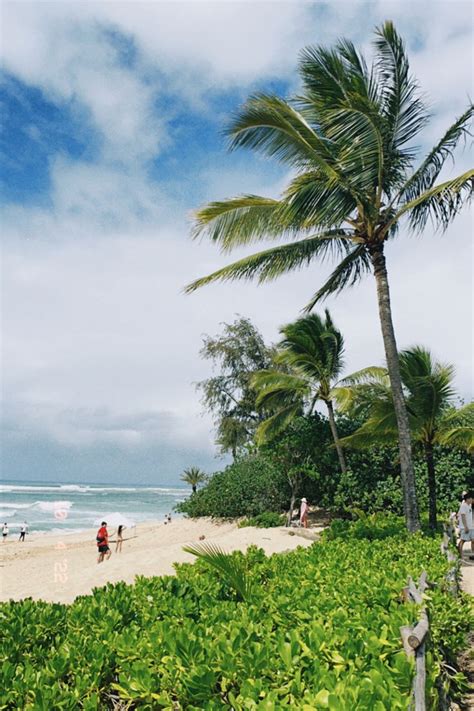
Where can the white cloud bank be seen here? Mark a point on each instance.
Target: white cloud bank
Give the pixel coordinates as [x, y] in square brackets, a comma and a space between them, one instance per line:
[99, 339]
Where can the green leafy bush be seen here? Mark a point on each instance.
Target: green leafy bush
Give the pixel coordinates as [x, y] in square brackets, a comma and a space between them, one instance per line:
[371, 527]
[268, 519]
[320, 630]
[248, 487]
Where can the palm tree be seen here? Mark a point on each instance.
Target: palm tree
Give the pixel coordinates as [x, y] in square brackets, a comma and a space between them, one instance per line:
[193, 476]
[429, 395]
[348, 138]
[311, 353]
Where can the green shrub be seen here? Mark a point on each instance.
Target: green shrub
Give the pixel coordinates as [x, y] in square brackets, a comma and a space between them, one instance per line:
[248, 487]
[319, 631]
[373, 482]
[268, 519]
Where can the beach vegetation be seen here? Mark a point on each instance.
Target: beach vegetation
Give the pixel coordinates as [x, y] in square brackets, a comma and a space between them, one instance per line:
[250, 486]
[312, 351]
[302, 461]
[268, 519]
[348, 139]
[429, 395]
[316, 628]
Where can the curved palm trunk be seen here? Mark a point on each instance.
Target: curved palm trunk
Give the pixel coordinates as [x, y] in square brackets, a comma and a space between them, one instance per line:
[430, 466]
[393, 366]
[332, 424]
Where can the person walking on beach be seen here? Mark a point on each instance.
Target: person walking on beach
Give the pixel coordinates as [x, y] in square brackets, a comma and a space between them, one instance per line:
[118, 545]
[304, 512]
[5, 531]
[102, 539]
[466, 528]
[23, 531]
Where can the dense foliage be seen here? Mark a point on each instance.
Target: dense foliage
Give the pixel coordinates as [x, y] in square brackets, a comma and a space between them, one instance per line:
[320, 631]
[303, 459]
[248, 487]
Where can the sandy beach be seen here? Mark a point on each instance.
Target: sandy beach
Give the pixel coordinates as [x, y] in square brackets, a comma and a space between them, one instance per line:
[58, 568]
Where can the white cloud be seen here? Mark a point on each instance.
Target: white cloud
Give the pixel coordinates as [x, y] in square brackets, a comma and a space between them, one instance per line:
[98, 335]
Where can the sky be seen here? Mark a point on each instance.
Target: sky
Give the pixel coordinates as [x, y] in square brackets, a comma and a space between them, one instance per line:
[112, 134]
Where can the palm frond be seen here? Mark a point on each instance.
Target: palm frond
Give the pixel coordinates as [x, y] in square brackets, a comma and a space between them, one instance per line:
[274, 425]
[348, 272]
[461, 437]
[229, 565]
[311, 200]
[456, 428]
[272, 263]
[269, 124]
[355, 392]
[404, 111]
[377, 430]
[424, 177]
[440, 203]
[242, 220]
[276, 389]
[366, 375]
[341, 95]
[313, 347]
[428, 384]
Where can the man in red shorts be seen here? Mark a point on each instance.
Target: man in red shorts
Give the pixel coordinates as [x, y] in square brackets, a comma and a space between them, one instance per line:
[102, 539]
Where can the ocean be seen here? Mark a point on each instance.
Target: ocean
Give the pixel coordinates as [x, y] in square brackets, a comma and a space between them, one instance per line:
[67, 508]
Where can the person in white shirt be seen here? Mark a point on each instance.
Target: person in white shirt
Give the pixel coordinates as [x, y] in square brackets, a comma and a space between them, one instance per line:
[466, 528]
[23, 532]
[5, 531]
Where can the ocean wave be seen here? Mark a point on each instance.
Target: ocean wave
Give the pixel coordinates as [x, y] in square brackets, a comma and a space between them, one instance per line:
[7, 514]
[7, 505]
[86, 488]
[82, 489]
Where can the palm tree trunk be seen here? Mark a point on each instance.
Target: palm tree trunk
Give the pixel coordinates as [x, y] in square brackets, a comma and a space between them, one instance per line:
[430, 466]
[194, 488]
[335, 436]
[393, 366]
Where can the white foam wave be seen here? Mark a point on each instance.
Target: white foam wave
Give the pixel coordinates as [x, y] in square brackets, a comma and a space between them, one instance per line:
[7, 514]
[7, 505]
[86, 488]
[74, 487]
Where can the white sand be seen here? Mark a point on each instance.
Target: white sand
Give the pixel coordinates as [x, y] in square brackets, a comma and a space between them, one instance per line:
[58, 567]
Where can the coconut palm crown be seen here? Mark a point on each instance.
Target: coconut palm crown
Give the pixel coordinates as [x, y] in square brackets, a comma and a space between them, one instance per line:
[348, 139]
[311, 354]
[429, 395]
[193, 476]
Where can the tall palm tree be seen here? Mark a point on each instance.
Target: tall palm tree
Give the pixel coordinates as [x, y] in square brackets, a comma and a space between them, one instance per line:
[311, 353]
[348, 138]
[429, 396]
[193, 476]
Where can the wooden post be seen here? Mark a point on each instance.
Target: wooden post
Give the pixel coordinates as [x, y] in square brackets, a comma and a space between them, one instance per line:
[419, 683]
[418, 633]
[414, 639]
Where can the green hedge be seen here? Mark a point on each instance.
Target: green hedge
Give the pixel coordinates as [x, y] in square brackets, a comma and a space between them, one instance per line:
[321, 631]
